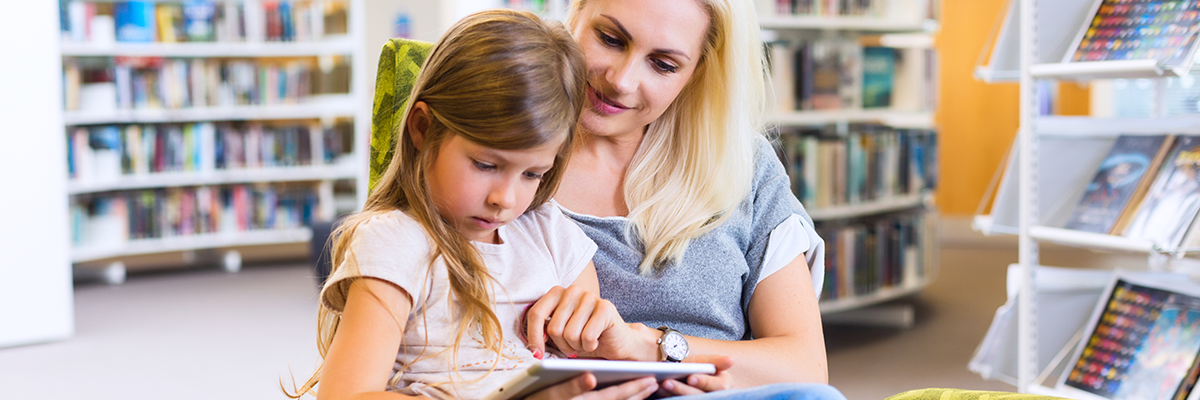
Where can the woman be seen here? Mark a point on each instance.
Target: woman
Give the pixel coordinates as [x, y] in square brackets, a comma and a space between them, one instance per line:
[697, 228]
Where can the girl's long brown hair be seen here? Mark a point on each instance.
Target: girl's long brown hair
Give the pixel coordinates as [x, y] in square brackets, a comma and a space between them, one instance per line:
[502, 79]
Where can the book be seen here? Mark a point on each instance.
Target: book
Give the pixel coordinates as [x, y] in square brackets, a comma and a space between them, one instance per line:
[879, 67]
[135, 21]
[1164, 31]
[1167, 211]
[1122, 174]
[199, 19]
[1141, 342]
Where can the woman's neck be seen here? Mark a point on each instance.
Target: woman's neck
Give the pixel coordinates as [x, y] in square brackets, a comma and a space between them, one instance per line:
[594, 182]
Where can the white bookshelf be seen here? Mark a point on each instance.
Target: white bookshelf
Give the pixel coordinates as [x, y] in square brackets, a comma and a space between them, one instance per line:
[876, 297]
[311, 111]
[904, 29]
[884, 205]
[344, 170]
[315, 107]
[171, 244]
[898, 119]
[334, 46]
[858, 24]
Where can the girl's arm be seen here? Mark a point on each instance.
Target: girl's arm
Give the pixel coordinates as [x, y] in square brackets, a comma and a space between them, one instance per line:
[360, 358]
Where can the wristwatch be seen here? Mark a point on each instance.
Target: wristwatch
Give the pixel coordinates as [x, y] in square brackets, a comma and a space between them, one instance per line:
[672, 345]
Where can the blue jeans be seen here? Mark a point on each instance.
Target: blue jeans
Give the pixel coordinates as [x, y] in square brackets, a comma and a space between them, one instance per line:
[778, 391]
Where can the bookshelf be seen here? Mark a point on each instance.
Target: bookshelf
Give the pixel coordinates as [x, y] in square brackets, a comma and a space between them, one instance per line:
[852, 160]
[1053, 160]
[203, 127]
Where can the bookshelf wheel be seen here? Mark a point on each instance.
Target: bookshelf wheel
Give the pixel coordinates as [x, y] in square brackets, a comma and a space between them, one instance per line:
[114, 274]
[232, 262]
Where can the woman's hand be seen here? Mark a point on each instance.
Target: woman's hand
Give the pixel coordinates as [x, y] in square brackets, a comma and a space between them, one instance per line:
[703, 383]
[581, 387]
[581, 324]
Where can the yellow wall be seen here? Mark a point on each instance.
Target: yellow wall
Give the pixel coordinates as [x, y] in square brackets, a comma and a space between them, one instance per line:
[977, 121]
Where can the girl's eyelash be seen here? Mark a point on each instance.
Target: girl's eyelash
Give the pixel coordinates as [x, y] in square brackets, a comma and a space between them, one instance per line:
[534, 175]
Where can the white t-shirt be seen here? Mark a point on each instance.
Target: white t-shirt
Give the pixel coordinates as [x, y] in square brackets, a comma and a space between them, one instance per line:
[540, 249]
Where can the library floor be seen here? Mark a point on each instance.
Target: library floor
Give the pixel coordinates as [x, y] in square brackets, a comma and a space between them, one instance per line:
[203, 333]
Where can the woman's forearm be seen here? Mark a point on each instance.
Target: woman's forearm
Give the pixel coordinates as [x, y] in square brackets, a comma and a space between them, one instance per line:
[768, 360]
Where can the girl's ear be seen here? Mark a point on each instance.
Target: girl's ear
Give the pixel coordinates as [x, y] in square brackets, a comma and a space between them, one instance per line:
[418, 123]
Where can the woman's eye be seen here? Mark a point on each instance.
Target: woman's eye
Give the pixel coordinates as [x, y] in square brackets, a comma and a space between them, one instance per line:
[664, 67]
[483, 166]
[609, 40]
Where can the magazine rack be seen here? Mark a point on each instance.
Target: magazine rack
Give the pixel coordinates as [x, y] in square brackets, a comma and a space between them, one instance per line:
[1053, 159]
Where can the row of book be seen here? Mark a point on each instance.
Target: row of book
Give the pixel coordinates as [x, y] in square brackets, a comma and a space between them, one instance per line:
[858, 8]
[870, 163]
[111, 219]
[104, 154]
[131, 83]
[863, 257]
[146, 21]
[1146, 188]
[843, 73]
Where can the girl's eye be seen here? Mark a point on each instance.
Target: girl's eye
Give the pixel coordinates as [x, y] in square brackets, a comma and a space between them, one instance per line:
[483, 166]
[609, 40]
[533, 175]
[664, 67]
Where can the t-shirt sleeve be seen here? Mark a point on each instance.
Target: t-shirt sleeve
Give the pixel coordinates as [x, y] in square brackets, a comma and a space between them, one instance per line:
[781, 228]
[392, 248]
[570, 248]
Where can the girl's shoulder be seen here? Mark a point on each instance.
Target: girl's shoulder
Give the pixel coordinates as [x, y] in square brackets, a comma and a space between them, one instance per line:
[392, 226]
[542, 218]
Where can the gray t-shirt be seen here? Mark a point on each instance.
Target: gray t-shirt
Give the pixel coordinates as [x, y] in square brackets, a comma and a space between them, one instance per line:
[708, 293]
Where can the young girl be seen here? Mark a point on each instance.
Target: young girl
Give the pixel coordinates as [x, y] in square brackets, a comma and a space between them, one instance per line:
[458, 237]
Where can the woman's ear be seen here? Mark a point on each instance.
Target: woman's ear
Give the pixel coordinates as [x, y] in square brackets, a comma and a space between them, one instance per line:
[418, 123]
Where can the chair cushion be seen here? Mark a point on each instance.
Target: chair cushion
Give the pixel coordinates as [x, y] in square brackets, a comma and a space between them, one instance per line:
[959, 394]
[399, 63]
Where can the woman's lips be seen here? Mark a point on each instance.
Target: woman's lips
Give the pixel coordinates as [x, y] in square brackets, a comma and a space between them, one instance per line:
[604, 105]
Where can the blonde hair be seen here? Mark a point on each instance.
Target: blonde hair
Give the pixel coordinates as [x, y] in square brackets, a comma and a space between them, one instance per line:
[696, 161]
[502, 79]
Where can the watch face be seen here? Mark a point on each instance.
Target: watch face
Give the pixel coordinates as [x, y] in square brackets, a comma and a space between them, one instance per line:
[674, 346]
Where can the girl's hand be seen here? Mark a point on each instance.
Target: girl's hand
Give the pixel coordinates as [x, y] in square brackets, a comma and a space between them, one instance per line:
[581, 324]
[581, 387]
[702, 383]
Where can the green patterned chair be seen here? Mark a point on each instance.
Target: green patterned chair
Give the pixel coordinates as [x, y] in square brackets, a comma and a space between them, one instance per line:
[399, 63]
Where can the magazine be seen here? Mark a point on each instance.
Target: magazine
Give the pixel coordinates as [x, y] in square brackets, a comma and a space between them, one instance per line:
[1166, 213]
[1120, 177]
[1141, 342]
[1138, 30]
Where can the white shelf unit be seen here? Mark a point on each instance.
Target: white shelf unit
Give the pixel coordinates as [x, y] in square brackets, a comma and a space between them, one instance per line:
[899, 32]
[847, 23]
[898, 119]
[193, 242]
[884, 205]
[1053, 160]
[217, 177]
[315, 107]
[333, 46]
[326, 108]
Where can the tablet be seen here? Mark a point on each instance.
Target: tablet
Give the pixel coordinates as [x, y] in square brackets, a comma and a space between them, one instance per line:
[554, 371]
